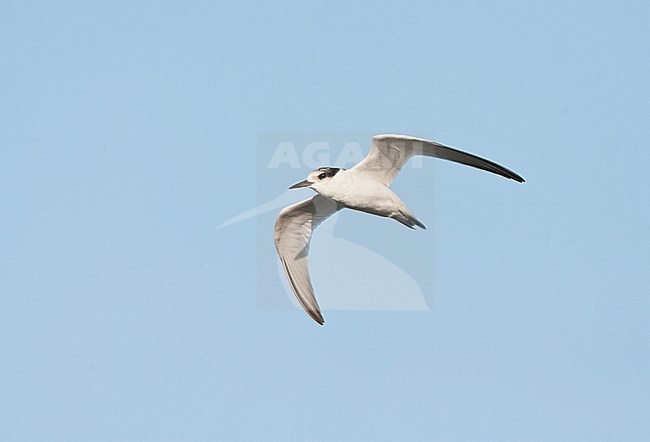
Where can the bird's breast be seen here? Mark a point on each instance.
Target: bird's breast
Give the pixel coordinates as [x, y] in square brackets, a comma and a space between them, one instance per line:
[367, 196]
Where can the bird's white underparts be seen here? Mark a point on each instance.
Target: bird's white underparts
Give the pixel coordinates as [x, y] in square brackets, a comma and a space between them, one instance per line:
[364, 187]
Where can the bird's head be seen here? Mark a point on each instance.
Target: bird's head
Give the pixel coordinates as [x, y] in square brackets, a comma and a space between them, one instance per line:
[317, 177]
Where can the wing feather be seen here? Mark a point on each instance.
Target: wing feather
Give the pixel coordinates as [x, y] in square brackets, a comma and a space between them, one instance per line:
[389, 153]
[293, 231]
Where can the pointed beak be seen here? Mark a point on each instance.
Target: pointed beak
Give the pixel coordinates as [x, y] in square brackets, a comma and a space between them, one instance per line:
[301, 184]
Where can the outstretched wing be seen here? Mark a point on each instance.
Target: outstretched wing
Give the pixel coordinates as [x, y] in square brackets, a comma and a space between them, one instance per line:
[293, 230]
[389, 153]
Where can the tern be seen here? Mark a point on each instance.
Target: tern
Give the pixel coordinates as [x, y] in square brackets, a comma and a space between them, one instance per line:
[366, 188]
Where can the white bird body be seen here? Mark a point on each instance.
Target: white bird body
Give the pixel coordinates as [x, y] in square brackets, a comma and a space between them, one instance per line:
[354, 191]
[365, 188]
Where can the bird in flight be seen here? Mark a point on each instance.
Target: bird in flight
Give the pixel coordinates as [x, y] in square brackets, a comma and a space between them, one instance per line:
[364, 187]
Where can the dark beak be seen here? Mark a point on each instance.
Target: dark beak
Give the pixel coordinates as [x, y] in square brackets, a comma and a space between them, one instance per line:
[301, 184]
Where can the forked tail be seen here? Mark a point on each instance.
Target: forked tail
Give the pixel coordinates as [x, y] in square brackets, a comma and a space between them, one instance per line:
[408, 220]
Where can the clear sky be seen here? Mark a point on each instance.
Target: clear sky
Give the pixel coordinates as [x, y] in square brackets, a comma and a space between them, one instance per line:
[129, 130]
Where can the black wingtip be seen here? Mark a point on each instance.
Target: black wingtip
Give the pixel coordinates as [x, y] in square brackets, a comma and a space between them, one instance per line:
[514, 176]
[507, 173]
[317, 316]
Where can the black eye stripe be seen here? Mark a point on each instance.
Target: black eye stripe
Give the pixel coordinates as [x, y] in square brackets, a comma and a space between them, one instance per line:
[327, 172]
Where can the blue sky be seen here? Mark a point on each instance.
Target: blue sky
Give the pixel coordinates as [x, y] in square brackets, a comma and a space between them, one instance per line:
[129, 130]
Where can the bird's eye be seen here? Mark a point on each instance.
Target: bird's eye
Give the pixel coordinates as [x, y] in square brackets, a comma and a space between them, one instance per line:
[322, 176]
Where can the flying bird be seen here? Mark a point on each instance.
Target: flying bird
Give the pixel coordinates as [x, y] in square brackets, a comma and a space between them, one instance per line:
[364, 187]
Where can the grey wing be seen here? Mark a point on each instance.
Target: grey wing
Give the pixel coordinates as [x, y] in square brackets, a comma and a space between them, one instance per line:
[293, 231]
[389, 153]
